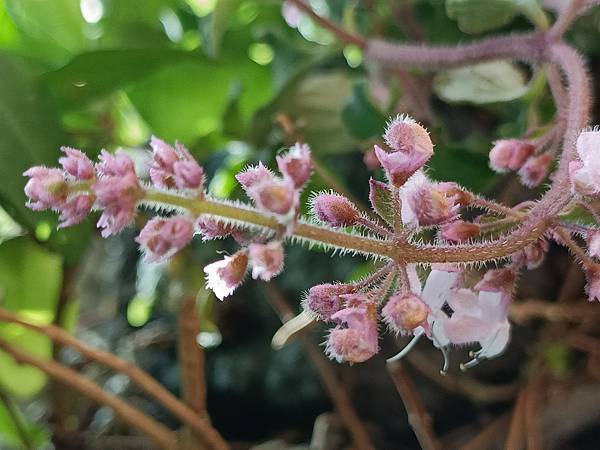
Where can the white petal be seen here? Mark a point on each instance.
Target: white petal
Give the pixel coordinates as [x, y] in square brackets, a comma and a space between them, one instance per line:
[496, 343]
[215, 283]
[437, 287]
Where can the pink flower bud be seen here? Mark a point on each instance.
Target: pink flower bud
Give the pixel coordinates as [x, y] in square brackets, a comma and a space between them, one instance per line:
[335, 210]
[326, 299]
[162, 238]
[213, 228]
[453, 190]
[405, 135]
[46, 188]
[460, 231]
[296, 164]
[77, 164]
[534, 253]
[593, 241]
[75, 210]
[274, 195]
[498, 280]
[117, 192]
[405, 312]
[431, 206]
[224, 276]
[510, 154]
[400, 166]
[536, 169]
[254, 175]
[266, 260]
[355, 338]
[174, 167]
[592, 288]
[371, 161]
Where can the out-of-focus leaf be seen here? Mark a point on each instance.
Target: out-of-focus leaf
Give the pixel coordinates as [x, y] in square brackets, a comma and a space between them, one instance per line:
[477, 16]
[469, 169]
[579, 216]
[30, 279]
[36, 435]
[216, 25]
[361, 118]
[558, 357]
[30, 136]
[489, 82]
[381, 200]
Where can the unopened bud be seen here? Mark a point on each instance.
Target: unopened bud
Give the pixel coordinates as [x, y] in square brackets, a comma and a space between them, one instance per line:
[405, 135]
[536, 169]
[510, 154]
[296, 164]
[405, 312]
[460, 231]
[326, 299]
[335, 210]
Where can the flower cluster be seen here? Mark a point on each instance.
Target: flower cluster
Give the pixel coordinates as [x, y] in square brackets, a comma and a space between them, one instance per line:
[523, 156]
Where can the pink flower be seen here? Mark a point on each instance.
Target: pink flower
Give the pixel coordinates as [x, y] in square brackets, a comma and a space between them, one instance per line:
[498, 280]
[335, 210]
[75, 210]
[325, 300]
[405, 135]
[404, 312]
[355, 339]
[254, 175]
[425, 203]
[117, 191]
[162, 238]
[77, 164]
[400, 166]
[371, 161]
[535, 253]
[213, 228]
[266, 260]
[296, 164]
[535, 169]
[274, 195]
[593, 241]
[224, 276]
[460, 231]
[46, 188]
[174, 167]
[585, 174]
[510, 154]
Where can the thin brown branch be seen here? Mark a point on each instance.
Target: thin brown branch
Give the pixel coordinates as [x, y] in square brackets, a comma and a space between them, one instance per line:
[70, 378]
[145, 381]
[417, 414]
[533, 415]
[489, 435]
[516, 432]
[524, 311]
[338, 394]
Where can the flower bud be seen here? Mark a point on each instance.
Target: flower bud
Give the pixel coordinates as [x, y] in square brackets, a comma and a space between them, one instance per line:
[174, 167]
[405, 135]
[371, 161]
[355, 339]
[498, 280]
[400, 166]
[405, 312]
[224, 276]
[75, 210]
[266, 260]
[593, 241]
[46, 188]
[326, 299]
[296, 164]
[274, 195]
[162, 238]
[335, 210]
[460, 231]
[254, 175]
[534, 253]
[431, 205]
[77, 164]
[536, 169]
[510, 154]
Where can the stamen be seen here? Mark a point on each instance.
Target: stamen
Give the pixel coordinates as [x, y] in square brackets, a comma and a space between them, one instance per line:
[470, 364]
[406, 349]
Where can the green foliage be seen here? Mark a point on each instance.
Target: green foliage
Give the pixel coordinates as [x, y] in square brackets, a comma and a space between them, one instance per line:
[361, 118]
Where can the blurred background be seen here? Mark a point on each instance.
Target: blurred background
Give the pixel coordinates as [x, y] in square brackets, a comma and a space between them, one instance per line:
[237, 81]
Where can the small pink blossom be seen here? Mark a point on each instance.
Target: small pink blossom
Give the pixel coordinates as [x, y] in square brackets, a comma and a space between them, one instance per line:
[296, 164]
[162, 238]
[335, 210]
[325, 300]
[404, 312]
[46, 188]
[425, 203]
[405, 135]
[254, 175]
[585, 174]
[535, 170]
[400, 166]
[275, 195]
[593, 241]
[460, 231]
[535, 253]
[174, 167]
[224, 276]
[266, 260]
[117, 192]
[355, 339]
[371, 161]
[75, 210]
[77, 164]
[510, 154]
[498, 280]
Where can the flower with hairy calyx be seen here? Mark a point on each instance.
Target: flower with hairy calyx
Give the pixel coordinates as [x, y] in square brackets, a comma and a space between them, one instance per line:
[400, 166]
[498, 280]
[46, 188]
[324, 300]
[535, 169]
[460, 231]
[77, 164]
[404, 312]
[355, 339]
[510, 154]
[276, 195]
[335, 210]
[405, 135]
[161, 238]
[296, 164]
[266, 260]
[75, 210]
[585, 174]
[224, 276]
[117, 191]
[534, 254]
[174, 167]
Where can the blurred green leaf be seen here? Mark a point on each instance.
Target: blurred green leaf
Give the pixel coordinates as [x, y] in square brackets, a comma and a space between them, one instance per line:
[478, 16]
[217, 22]
[469, 169]
[559, 358]
[362, 119]
[489, 82]
[9, 434]
[30, 279]
[579, 216]
[382, 201]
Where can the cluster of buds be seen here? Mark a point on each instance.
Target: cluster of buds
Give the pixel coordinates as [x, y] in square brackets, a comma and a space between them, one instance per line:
[522, 156]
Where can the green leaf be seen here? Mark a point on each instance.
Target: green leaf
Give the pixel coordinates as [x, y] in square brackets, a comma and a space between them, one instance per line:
[478, 16]
[489, 82]
[579, 216]
[469, 169]
[362, 119]
[381, 200]
[37, 436]
[217, 23]
[30, 136]
[30, 279]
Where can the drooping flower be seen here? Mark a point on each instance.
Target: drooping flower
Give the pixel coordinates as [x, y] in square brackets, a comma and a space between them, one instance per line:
[355, 339]
[585, 174]
[404, 312]
[77, 164]
[510, 154]
[335, 210]
[224, 276]
[296, 164]
[46, 188]
[325, 300]
[161, 238]
[266, 260]
[174, 167]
